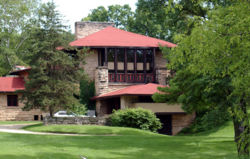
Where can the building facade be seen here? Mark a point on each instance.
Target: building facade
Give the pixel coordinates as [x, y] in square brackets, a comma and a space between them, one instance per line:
[127, 69]
[10, 99]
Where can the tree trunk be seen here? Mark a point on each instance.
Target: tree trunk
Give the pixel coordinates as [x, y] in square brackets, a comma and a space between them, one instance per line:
[241, 130]
[51, 111]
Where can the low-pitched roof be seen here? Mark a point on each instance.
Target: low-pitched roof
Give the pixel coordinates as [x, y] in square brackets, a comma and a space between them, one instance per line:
[113, 37]
[11, 84]
[139, 90]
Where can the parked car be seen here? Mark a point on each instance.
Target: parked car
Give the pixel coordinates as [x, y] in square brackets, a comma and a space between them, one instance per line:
[63, 113]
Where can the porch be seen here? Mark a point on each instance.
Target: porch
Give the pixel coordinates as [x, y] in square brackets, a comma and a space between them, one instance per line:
[128, 65]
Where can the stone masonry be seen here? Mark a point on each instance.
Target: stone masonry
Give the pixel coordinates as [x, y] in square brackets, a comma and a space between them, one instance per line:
[101, 80]
[8, 113]
[161, 75]
[75, 120]
[180, 121]
[83, 29]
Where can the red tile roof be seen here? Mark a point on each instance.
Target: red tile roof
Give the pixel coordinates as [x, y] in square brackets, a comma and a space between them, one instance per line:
[142, 89]
[113, 37]
[11, 84]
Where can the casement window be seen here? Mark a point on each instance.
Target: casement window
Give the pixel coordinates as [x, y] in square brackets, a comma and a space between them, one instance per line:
[12, 100]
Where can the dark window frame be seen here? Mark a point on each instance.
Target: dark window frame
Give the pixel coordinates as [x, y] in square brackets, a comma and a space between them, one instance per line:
[12, 100]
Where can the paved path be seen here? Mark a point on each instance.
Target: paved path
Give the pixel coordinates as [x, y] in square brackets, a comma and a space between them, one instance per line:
[16, 128]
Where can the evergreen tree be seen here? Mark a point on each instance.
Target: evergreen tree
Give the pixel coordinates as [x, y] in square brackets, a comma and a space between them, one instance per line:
[87, 91]
[54, 77]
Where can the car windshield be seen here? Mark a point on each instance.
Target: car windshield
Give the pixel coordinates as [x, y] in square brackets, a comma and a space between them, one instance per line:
[62, 113]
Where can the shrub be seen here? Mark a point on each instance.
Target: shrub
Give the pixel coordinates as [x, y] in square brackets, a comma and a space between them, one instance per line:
[135, 118]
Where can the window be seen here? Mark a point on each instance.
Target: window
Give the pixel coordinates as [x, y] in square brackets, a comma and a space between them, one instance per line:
[139, 56]
[12, 100]
[130, 55]
[145, 99]
[149, 61]
[111, 55]
[149, 56]
[120, 55]
[36, 117]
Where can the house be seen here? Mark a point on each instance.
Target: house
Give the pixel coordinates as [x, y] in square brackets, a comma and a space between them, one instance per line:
[127, 69]
[10, 103]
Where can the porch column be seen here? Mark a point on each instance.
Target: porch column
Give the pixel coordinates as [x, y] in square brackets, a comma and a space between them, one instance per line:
[106, 57]
[135, 65]
[123, 102]
[153, 64]
[115, 65]
[125, 65]
[144, 66]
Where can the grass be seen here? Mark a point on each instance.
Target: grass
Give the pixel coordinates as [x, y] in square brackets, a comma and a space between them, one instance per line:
[128, 144]
[88, 129]
[18, 122]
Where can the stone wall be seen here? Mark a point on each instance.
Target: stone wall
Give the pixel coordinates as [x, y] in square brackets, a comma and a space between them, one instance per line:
[75, 120]
[161, 75]
[161, 72]
[91, 62]
[160, 60]
[83, 29]
[180, 121]
[101, 108]
[8, 113]
[101, 80]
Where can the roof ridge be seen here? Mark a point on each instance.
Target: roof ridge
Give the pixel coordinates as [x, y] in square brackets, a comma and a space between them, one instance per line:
[129, 39]
[140, 34]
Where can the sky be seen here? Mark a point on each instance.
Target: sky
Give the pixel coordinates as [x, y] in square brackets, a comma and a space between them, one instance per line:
[75, 10]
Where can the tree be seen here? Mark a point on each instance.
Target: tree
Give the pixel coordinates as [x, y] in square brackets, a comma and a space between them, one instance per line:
[15, 19]
[122, 16]
[87, 91]
[213, 69]
[164, 19]
[54, 77]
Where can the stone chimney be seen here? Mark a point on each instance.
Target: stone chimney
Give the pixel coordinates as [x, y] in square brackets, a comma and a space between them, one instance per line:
[83, 29]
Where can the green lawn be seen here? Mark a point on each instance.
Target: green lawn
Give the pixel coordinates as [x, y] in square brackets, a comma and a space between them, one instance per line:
[89, 129]
[127, 144]
[18, 122]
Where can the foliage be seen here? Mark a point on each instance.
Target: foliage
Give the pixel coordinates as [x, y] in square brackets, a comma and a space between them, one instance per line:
[121, 16]
[216, 54]
[78, 109]
[208, 120]
[54, 76]
[87, 91]
[165, 19]
[136, 118]
[161, 19]
[15, 19]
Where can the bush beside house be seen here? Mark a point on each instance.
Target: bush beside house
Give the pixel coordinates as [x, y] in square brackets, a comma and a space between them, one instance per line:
[135, 118]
